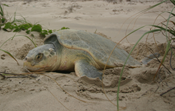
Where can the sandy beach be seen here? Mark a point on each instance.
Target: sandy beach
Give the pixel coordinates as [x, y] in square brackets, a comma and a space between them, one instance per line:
[65, 91]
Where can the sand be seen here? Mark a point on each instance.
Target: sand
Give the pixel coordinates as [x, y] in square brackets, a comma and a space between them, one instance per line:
[138, 92]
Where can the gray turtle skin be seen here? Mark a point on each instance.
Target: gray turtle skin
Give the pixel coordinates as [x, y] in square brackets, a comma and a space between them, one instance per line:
[79, 51]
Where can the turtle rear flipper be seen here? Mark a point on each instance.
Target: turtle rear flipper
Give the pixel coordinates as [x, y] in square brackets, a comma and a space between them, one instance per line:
[150, 57]
[83, 68]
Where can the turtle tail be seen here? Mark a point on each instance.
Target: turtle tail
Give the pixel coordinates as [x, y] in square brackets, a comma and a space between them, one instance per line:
[149, 58]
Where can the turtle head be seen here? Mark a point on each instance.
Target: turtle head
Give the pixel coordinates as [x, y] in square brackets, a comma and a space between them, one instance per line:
[42, 58]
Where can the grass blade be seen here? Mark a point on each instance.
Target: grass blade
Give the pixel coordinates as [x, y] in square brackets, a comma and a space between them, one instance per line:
[7, 40]
[28, 38]
[151, 31]
[2, 12]
[130, 33]
[171, 13]
[173, 1]
[11, 38]
[164, 29]
[31, 40]
[5, 5]
[10, 55]
[168, 44]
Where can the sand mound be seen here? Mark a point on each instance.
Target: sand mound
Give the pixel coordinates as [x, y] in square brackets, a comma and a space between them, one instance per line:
[22, 52]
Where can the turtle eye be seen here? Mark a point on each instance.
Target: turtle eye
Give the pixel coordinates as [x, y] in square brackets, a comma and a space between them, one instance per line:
[39, 56]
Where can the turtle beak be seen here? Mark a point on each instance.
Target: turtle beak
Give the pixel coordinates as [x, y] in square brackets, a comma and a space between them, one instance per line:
[30, 65]
[26, 61]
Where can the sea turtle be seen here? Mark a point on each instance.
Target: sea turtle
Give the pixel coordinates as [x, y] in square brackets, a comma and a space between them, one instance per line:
[79, 51]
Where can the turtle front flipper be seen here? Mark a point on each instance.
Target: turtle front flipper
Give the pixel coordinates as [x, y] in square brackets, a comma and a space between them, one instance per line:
[83, 68]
